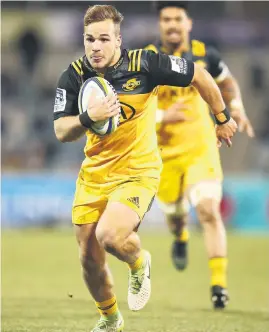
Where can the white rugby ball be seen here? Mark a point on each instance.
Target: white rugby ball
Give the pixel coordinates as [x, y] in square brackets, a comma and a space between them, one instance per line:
[102, 88]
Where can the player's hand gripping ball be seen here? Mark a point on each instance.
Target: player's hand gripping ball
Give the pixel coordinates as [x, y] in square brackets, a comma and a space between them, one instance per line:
[102, 98]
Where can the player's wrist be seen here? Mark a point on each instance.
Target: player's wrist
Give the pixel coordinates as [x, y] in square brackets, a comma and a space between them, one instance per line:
[85, 120]
[222, 117]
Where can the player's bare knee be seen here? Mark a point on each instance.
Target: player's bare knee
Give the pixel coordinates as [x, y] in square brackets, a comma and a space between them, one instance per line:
[108, 239]
[208, 211]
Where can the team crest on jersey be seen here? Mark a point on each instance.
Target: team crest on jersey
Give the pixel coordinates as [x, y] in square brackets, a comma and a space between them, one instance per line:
[131, 84]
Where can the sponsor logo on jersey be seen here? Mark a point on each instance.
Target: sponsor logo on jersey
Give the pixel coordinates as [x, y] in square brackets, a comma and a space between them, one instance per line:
[179, 64]
[60, 100]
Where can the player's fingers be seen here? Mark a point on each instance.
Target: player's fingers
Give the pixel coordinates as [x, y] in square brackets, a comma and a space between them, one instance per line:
[180, 106]
[181, 117]
[219, 142]
[240, 125]
[227, 133]
[113, 110]
[228, 142]
[110, 99]
[116, 105]
[187, 119]
[113, 113]
[250, 130]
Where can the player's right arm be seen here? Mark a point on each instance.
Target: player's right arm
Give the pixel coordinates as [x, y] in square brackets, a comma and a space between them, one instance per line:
[176, 71]
[69, 125]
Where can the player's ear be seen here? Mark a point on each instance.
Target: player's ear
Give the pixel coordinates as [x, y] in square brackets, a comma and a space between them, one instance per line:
[118, 41]
[84, 39]
[190, 23]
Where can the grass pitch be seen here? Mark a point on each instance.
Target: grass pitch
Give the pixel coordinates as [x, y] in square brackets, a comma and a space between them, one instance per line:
[42, 289]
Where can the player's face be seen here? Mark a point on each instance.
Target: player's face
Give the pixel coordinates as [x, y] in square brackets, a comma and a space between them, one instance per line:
[101, 42]
[175, 25]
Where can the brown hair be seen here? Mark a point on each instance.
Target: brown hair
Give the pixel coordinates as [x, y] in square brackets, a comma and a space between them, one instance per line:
[98, 13]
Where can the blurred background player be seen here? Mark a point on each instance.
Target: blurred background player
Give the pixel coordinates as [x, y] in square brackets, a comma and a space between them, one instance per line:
[192, 173]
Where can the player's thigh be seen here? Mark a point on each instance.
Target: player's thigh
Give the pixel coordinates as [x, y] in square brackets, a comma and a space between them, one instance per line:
[208, 205]
[88, 204]
[203, 179]
[170, 194]
[127, 206]
[170, 188]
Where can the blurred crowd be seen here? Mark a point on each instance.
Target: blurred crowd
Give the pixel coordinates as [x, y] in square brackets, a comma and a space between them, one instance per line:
[49, 36]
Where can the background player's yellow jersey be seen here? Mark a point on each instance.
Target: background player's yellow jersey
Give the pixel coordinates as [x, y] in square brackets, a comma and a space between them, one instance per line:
[131, 151]
[196, 134]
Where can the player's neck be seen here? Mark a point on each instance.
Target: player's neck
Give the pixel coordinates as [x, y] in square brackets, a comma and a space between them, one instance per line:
[113, 62]
[179, 48]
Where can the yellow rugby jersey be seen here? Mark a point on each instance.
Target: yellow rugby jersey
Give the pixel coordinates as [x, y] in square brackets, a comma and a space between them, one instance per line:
[192, 136]
[131, 151]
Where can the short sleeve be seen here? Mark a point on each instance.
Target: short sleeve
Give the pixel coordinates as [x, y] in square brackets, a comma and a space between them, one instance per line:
[66, 99]
[169, 70]
[216, 67]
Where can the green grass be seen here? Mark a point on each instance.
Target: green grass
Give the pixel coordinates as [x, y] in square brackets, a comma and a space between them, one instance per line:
[40, 268]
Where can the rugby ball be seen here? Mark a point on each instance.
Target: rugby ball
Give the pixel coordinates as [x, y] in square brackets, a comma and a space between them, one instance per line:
[102, 88]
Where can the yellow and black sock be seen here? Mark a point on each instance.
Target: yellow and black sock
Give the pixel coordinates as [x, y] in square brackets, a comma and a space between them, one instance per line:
[108, 308]
[183, 236]
[138, 263]
[218, 268]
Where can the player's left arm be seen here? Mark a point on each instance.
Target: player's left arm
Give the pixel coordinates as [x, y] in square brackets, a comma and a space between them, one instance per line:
[230, 90]
[176, 71]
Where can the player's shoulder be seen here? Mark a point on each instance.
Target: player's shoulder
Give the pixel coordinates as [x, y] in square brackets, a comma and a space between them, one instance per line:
[76, 66]
[201, 49]
[138, 59]
[151, 47]
[71, 76]
[198, 48]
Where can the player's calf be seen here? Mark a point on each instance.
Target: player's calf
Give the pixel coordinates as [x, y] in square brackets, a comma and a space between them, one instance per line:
[93, 262]
[98, 279]
[179, 252]
[115, 233]
[208, 212]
